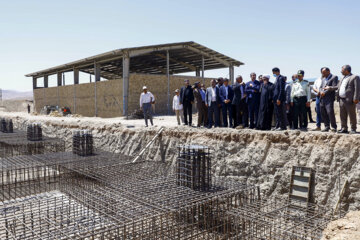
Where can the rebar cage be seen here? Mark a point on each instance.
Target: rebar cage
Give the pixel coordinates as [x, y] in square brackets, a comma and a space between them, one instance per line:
[6, 125]
[194, 167]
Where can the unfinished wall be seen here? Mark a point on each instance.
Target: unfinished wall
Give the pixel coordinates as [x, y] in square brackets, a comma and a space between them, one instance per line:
[157, 85]
[81, 98]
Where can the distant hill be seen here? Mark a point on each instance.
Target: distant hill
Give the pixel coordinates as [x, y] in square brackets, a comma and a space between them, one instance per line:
[16, 95]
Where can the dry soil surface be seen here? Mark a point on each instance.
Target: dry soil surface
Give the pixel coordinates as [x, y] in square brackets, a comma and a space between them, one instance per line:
[347, 228]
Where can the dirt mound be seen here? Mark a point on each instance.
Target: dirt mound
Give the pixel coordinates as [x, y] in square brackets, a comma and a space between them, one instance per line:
[346, 228]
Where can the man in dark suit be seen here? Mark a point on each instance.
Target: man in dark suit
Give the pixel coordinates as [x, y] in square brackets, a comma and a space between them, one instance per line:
[213, 102]
[327, 91]
[279, 98]
[187, 99]
[348, 94]
[239, 101]
[226, 97]
[252, 89]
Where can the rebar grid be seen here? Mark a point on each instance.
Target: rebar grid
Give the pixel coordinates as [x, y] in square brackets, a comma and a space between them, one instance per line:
[45, 168]
[14, 134]
[279, 219]
[13, 146]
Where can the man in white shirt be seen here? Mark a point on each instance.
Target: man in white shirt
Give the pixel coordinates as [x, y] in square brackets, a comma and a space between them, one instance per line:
[213, 102]
[146, 99]
[178, 107]
[316, 91]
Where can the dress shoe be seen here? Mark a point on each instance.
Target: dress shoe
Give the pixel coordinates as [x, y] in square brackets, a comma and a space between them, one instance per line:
[343, 131]
[326, 130]
[303, 129]
[316, 129]
[333, 130]
[353, 132]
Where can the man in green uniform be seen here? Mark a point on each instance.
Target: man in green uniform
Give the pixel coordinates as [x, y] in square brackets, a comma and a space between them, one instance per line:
[300, 99]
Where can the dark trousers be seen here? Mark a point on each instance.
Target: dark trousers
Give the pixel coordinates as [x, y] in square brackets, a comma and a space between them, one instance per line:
[202, 117]
[238, 115]
[147, 113]
[280, 115]
[290, 116]
[347, 109]
[245, 113]
[328, 114]
[213, 112]
[318, 112]
[300, 112]
[227, 108]
[187, 112]
[253, 107]
[309, 113]
[241, 116]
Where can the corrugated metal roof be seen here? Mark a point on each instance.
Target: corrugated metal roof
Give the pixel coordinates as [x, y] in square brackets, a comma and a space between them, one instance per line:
[184, 57]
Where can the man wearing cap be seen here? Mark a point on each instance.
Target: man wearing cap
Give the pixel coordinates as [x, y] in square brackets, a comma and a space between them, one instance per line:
[253, 97]
[279, 99]
[327, 91]
[213, 102]
[226, 96]
[348, 95]
[300, 98]
[187, 99]
[178, 107]
[146, 99]
[199, 95]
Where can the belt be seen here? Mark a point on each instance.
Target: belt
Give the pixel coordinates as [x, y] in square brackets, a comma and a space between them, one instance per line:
[300, 97]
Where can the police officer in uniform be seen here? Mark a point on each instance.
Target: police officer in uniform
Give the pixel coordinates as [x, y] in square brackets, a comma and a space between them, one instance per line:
[300, 99]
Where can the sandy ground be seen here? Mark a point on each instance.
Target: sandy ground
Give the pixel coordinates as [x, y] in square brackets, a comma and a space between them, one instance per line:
[159, 121]
[347, 228]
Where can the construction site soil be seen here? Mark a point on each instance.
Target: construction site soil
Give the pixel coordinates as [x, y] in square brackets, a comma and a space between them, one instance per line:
[264, 158]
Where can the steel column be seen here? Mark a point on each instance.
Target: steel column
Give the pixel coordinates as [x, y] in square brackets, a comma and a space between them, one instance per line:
[76, 81]
[34, 82]
[203, 69]
[168, 80]
[59, 75]
[197, 72]
[46, 81]
[97, 72]
[231, 74]
[76, 76]
[125, 76]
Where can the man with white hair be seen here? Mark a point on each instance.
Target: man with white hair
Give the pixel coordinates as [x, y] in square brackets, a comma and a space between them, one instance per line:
[146, 99]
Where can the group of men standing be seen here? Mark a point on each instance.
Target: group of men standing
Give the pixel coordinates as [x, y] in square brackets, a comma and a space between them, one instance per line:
[260, 104]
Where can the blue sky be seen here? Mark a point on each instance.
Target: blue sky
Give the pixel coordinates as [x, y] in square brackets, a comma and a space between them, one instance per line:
[289, 34]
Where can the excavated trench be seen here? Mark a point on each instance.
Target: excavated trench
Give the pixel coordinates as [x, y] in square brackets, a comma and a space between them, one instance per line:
[263, 158]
